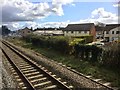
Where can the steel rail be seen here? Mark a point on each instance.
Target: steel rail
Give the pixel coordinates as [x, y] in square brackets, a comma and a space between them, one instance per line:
[25, 80]
[53, 79]
[107, 87]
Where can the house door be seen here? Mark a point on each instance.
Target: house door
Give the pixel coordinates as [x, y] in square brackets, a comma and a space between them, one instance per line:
[107, 39]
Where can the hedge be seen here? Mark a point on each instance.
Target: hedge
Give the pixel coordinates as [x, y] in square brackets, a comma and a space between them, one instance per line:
[78, 47]
[88, 52]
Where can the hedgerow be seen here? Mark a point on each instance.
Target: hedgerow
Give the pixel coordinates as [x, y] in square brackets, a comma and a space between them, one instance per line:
[60, 43]
[111, 56]
[88, 52]
[77, 46]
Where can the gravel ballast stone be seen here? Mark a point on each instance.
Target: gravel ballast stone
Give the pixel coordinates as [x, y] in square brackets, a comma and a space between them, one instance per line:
[63, 72]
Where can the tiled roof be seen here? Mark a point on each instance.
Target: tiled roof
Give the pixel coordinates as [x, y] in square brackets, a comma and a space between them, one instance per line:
[26, 28]
[79, 27]
[107, 27]
[111, 26]
[98, 28]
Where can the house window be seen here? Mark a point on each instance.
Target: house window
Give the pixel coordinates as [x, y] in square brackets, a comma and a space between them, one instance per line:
[107, 32]
[117, 32]
[85, 31]
[66, 31]
[71, 31]
[99, 33]
[79, 31]
[112, 32]
[112, 38]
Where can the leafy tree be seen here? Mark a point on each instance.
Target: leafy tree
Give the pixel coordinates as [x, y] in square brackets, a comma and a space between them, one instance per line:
[4, 30]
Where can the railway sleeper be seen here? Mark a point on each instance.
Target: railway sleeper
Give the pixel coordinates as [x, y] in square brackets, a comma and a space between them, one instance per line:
[24, 88]
[32, 74]
[29, 71]
[35, 77]
[17, 76]
[21, 84]
[40, 79]
[50, 87]
[24, 69]
[22, 65]
[18, 80]
[43, 84]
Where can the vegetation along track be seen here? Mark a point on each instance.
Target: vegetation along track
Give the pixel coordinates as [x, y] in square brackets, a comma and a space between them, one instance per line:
[38, 81]
[29, 74]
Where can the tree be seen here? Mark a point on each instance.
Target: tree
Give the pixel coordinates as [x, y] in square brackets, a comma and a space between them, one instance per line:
[4, 30]
[100, 24]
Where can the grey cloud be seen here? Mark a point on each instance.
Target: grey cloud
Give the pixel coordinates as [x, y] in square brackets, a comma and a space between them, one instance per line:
[21, 10]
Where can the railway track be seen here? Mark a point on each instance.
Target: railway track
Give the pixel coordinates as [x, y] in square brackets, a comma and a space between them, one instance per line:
[29, 74]
[49, 83]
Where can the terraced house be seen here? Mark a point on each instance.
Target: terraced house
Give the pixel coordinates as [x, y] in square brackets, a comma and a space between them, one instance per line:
[112, 34]
[25, 31]
[109, 32]
[80, 30]
[99, 32]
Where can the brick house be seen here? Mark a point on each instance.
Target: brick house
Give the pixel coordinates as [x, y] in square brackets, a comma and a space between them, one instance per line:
[103, 32]
[99, 32]
[111, 31]
[80, 30]
[48, 31]
[25, 31]
[112, 34]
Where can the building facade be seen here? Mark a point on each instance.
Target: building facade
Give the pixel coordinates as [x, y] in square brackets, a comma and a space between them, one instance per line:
[49, 32]
[99, 32]
[25, 31]
[112, 35]
[80, 30]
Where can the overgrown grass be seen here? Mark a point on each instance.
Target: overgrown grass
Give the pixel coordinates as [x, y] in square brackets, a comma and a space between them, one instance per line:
[103, 72]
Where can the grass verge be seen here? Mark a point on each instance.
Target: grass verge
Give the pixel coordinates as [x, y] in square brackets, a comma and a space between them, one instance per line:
[94, 69]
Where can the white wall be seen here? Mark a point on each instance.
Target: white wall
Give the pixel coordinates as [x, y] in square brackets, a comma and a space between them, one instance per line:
[75, 33]
[112, 36]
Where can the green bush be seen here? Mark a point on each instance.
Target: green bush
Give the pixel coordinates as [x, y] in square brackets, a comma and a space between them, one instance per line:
[58, 43]
[87, 39]
[111, 56]
[87, 52]
[77, 47]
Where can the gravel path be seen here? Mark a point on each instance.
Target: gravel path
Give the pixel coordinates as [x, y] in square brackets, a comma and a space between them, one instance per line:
[0, 69]
[8, 83]
[63, 72]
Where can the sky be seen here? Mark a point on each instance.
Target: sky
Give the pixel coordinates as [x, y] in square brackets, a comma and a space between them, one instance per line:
[17, 14]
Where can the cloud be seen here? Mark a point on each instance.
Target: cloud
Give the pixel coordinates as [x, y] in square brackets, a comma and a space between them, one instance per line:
[63, 2]
[57, 6]
[23, 10]
[117, 4]
[35, 25]
[97, 15]
[100, 15]
[13, 25]
[54, 24]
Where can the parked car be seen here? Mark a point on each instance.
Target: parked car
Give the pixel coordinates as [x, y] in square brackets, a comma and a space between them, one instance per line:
[99, 44]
